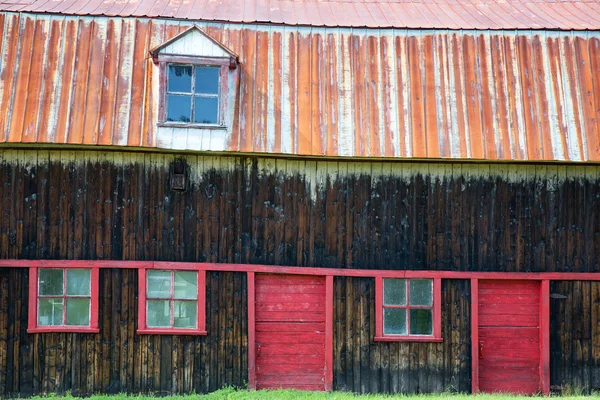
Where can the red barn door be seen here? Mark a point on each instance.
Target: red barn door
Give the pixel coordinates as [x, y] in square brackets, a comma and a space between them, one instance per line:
[290, 331]
[509, 336]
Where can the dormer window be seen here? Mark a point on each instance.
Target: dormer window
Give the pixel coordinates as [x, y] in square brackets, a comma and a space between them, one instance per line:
[195, 74]
[192, 94]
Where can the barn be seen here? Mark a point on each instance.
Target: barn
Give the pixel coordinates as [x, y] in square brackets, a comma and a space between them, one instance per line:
[376, 197]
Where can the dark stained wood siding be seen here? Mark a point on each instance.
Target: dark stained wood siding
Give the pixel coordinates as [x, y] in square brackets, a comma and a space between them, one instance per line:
[575, 335]
[95, 205]
[365, 366]
[112, 205]
[117, 359]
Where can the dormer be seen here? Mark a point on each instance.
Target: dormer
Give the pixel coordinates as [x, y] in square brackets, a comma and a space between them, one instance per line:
[195, 73]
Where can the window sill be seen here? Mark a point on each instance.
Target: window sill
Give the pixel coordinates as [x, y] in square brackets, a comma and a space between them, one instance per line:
[191, 126]
[427, 339]
[182, 332]
[74, 329]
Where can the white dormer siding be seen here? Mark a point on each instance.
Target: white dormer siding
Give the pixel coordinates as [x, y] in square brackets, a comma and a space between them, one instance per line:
[196, 48]
[196, 44]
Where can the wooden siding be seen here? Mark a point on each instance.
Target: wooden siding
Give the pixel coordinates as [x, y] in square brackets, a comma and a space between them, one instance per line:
[290, 332]
[509, 336]
[95, 205]
[495, 95]
[575, 336]
[117, 359]
[365, 366]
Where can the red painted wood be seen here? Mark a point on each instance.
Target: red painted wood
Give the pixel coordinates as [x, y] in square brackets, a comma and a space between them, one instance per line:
[298, 281]
[308, 298]
[32, 306]
[310, 388]
[202, 301]
[474, 336]
[408, 339]
[304, 350]
[33, 301]
[251, 332]
[545, 337]
[295, 316]
[525, 386]
[315, 360]
[379, 309]
[504, 309]
[304, 289]
[507, 341]
[284, 366]
[201, 323]
[159, 331]
[329, 333]
[512, 331]
[292, 307]
[162, 90]
[271, 269]
[291, 327]
[300, 349]
[291, 337]
[437, 316]
[281, 380]
[437, 308]
[509, 298]
[508, 320]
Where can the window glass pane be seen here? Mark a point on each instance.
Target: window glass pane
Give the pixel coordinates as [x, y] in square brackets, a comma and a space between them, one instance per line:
[78, 282]
[394, 292]
[159, 284]
[51, 282]
[186, 285]
[78, 312]
[207, 80]
[185, 314]
[421, 292]
[50, 312]
[394, 321]
[180, 78]
[421, 322]
[179, 108]
[206, 110]
[158, 314]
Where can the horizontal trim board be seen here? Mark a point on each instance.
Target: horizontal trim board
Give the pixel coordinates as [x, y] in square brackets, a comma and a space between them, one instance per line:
[273, 269]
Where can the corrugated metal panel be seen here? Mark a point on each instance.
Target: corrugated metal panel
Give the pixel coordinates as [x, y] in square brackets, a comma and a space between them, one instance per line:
[312, 91]
[427, 14]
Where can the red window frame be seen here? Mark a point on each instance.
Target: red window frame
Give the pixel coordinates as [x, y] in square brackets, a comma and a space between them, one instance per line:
[436, 307]
[33, 326]
[224, 64]
[143, 298]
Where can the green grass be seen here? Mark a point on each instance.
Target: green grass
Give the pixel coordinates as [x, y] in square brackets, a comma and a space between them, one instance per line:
[233, 394]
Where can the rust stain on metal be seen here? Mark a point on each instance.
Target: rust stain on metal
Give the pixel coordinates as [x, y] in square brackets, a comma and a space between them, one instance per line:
[506, 95]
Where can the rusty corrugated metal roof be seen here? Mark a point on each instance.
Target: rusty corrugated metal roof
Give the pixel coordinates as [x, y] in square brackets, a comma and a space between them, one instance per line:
[312, 91]
[424, 14]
